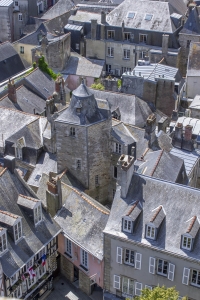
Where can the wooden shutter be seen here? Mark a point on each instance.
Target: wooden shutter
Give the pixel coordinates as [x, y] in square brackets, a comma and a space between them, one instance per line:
[138, 261]
[116, 283]
[152, 264]
[186, 276]
[138, 288]
[171, 272]
[119, 255]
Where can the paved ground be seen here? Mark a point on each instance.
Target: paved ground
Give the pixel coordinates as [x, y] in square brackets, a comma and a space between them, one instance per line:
[62, 288]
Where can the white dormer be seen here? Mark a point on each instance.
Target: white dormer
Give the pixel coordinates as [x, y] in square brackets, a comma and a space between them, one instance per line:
[127, 224]
[38, 213]
[3, 240]
[17, 228]
[187, 238]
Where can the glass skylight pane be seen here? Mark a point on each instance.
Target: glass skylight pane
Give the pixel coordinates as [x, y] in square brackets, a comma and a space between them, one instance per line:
[131, 15]
[148, 17]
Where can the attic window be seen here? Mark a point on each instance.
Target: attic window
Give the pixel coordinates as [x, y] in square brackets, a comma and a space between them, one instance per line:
[131, 15]
[18, 231]
[127, 225]
[150, 232]
[37, 177]
[186, 242]
[148, 17]
[3, 241]
[38, 214]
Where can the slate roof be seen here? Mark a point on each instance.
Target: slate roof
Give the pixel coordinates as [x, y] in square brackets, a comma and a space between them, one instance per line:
[161, 15]
[192, 25]
[58, 9]
[27, 201]
[133, 110]
[81, 66]
[27, 101]
[6, 2]
[190, 121]
[122, 134]
[34, 238]
[10, 61]
[179, 202]
[195, 103]
[193, 67]
[97, 7]
[83, 220]
[84, 16]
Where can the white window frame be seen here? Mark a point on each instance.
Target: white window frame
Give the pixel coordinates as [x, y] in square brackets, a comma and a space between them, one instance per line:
[150, 232]
[3, 241]
[152, 265]
[42, 252]
[116, 282]
[171, 271]
[29, 264]
[17, 228]
[84, 258]
[126, 69]
[143, 38]
[187, 238]
[21, 49]
[72, 131]
[127, 54]
[41, 270]
[198, 275]
[127, 225]
[110, 51]
[16, 3]
[17, 292]
[186, 276]
[148, 15]
[119, 255]
[69, 246]
[110, 34]
[163, 262]
[14, 279]
[38, 214]
[138, 261]
[138, 288]
[18, 153]
[118, 148]
[142, 54]
[148, 287]
[30, 281]
[20, 17]
[127, 36]
[131, 12]
[127, 254]
[130, 286]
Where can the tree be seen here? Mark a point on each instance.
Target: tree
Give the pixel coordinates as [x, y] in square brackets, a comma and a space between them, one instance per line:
[160, 293]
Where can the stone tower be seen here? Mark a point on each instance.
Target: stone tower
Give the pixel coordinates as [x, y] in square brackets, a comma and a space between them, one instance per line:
[83, 142]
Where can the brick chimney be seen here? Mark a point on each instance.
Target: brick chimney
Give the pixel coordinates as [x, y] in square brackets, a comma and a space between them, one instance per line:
[12, 91]
[150, 129]
[125, 173]
[60, 90]
[188, 132]
[188, 143]
[165, 43]
[93, 29]
[53, 194]
[179, 131]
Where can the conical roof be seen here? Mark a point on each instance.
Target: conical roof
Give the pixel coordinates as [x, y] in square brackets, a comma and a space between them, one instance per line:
[82, 91]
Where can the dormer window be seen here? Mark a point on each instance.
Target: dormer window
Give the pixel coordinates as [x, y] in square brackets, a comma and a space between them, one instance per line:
[150, 232]
[18, 231]
[187, 239]
[127, 225]
[38, 214]
[3, 241]
[72, 131]
[186, 242]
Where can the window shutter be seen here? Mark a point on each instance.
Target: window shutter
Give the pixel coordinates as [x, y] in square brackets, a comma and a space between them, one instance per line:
[119, 255]
[138, 261]
[116, 283]
[148, 287]
[186, 275]
[152, 264]
[171, 272]
[138, 288]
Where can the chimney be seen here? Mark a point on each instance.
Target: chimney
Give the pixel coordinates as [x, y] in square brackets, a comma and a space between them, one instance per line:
[174, 115]
[150, 129]
[9, 163]
[12, 91]
[93, 29]
[50, 108]
[188, 133]
[103, 17]
[165, 43]
[54, 194]
[60, 90]
[125, 171]
[178, 131]
[162, 124]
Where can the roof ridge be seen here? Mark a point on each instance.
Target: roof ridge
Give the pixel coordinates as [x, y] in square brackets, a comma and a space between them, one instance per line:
[191, 224]
[29, 198]
[157, 162]
[132, 208]
[3, 171]
[9, 214]
[22, 112]
[156, 213]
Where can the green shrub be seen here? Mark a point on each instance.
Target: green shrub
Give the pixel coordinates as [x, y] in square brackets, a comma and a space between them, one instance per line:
[43, 66]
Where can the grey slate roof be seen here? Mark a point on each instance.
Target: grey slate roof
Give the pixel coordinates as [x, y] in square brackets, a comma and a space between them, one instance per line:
[34, 238]
[6, 2]
[58, 9]
[84, 16]
[179, 202]
[10, 61]
[192, 25]
[83, 220]
[161, 15]
[122, 134]
[27, 101]
[195, 103]
[27, 202]
[81, 66]
[133, 110]
[190, 121]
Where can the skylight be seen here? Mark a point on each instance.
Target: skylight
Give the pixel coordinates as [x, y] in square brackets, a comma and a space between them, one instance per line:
[148, 17]
[37, 177]
[131, 15]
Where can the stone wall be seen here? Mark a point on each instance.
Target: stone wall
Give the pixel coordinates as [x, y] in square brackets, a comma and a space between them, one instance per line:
[84, 283]
[165, 100]
[67, 268]
[107, 261]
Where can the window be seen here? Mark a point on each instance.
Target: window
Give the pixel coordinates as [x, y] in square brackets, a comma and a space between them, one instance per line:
[18, 231]
[162, 267]
[110, 51]
[37, 177]
[115, 172]
[84, 258]
[148, 17]
[13, 279]
[188, 43]
[195, 280]
[29, 264]
[150, 232]
[186, 242]
[38, 214]
[186, 276]
[68, 246]
[17, 293]
[129, 257]
[110, 34]
[108, 68]
[127, 36]
[142, 54]
[20, 18]
[126, 54]
[72, 131]
[42, 270]
[18, 153]
[21, 49]
[138, 288]
[125, 69]
[127, 286]
[116, 282]
[97, 180]
[127, 225]
[42, 252]
[77, 46]
[131, 14]
[3, 242]
[16, 3]
[118, 148]
[78, 164]
[31, 281]
[143, 38]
